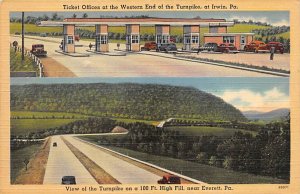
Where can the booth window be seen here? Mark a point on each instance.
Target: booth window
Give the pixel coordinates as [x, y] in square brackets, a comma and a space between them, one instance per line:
[135, 39]
[165, 39]
[195, 39]
[103, 39]
[70, 40]
[187, 39]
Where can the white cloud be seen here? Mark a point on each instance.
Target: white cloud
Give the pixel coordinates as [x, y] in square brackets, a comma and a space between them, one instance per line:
[246, 100]
[282, 22]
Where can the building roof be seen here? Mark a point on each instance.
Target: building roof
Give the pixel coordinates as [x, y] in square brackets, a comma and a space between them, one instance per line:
[227, 34]
[141, 21]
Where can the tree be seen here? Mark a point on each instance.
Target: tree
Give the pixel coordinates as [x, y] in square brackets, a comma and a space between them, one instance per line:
[74, 15]
[54, 16]
[85, 15]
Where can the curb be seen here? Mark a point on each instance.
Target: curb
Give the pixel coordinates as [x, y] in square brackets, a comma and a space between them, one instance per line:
[221, 64]
[146, 163]
[72, 55]
[107, 53]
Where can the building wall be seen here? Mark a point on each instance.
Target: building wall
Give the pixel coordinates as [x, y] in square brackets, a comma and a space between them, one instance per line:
[133, 29]
[217, 29]
[104, 48]
[69, 29]
[216, 39]
[162, 29]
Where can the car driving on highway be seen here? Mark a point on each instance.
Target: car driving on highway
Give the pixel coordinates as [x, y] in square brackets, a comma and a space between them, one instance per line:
[68, 180]
[169, 179]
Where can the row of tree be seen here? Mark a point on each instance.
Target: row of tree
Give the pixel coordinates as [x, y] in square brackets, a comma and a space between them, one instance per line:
[267, 153]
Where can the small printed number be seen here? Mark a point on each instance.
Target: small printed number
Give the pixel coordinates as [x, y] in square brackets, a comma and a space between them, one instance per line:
[283, 187]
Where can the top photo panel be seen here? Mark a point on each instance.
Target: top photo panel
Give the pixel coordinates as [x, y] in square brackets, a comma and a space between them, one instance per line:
[150, 44]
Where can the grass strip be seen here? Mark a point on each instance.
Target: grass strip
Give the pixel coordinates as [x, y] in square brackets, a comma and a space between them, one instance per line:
[36, 167]
[99, 174]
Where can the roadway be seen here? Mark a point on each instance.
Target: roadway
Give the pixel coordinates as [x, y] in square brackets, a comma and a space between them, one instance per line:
[132, 65]
[62, 162]
[121, 170]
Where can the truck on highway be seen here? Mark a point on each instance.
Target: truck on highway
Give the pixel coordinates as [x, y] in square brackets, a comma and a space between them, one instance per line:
[38, 50]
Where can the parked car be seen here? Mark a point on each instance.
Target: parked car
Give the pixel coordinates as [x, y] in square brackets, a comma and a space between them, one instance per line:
[54, 144]
[256, 46]
[209, 46]
[170, 47]
[38, 50]
[68, 180]
[169, 179]
[278, 46]
[149, 46]
[227, 48]
[77, 37]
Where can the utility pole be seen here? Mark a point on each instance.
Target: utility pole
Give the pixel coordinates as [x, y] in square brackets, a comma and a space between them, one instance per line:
[22, 36]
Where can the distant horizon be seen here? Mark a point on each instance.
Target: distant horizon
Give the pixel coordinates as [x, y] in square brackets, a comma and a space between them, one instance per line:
[246, 94]
[275, 18]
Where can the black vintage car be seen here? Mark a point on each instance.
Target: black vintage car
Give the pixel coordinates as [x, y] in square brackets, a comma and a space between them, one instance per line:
[68, 180]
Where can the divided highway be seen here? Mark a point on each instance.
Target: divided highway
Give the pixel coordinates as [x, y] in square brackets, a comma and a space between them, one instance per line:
[62, 162]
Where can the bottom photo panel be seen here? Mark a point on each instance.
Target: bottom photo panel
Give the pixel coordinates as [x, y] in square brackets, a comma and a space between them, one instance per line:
[150, 130]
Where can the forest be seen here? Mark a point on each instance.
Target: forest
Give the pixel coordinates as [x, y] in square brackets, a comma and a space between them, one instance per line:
[267, 153]
[127, 100]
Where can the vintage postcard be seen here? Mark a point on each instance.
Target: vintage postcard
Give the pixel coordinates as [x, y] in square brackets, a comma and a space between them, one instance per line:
[149, 97]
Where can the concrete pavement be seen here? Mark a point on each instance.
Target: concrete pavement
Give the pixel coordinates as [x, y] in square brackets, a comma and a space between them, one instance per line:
[121, 170]
[132, 65]
[62, 162]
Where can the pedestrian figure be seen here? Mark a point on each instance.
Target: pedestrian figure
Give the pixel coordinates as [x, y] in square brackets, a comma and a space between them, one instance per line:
[272, 52]
[61, 44]
[15, 44]
[90, 46]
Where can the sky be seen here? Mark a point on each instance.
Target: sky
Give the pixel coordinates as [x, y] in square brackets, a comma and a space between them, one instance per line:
[276, 18]
[247, 94]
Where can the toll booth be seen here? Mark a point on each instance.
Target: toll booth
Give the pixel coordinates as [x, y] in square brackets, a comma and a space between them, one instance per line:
[101, 44]
[133, 37]
[191, 37]
[162, 34]
[69, 37]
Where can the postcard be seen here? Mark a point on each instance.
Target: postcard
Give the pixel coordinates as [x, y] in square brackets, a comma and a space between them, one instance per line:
[149, 97]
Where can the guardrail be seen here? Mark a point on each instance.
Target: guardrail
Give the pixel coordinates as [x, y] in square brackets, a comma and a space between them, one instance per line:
[36, 60]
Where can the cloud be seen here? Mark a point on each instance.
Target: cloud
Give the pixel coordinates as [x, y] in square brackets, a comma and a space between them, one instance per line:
[282, 22]
[246, 100]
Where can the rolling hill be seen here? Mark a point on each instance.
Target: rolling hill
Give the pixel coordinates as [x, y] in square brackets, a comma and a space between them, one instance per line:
[127, 100]
[267, 116]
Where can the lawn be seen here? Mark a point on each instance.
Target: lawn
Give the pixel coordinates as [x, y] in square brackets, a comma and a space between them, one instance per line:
[16, 63]
[17, 158]
[25, 126]
[136, 120]
[203, 130]
[16, 27]
[205, 173]
[29, 114]
[245, 28]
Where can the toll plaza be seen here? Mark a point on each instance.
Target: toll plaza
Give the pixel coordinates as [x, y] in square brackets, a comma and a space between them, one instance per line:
[190, 28]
